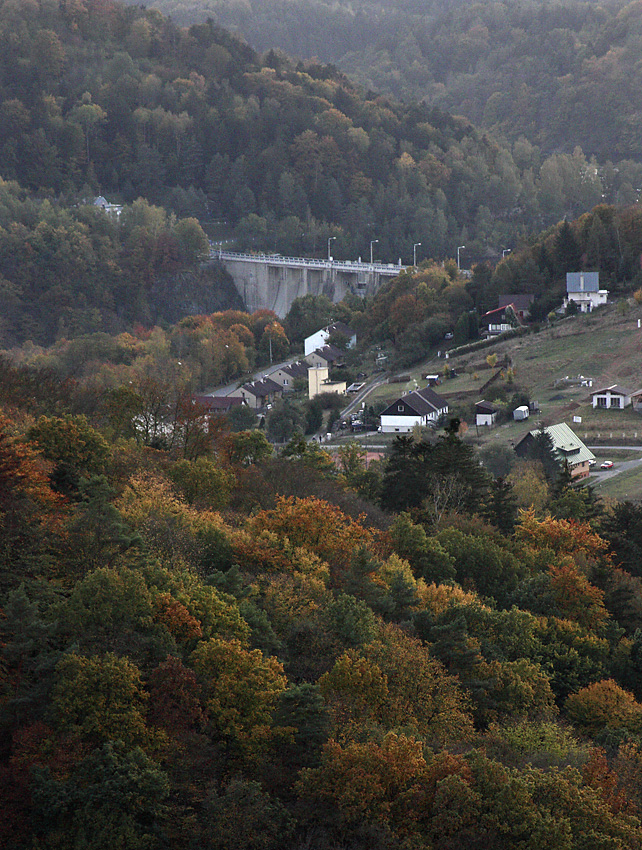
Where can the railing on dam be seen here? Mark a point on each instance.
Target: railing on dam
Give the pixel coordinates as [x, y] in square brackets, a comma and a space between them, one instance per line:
[307, 262]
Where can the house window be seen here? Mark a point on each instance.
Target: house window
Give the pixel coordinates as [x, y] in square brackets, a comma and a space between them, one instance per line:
[601, 401]
[400, 407]
[615, 402]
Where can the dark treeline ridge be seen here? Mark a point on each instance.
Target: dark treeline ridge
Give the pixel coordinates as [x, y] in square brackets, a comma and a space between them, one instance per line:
[559, 74]
[70, 271]
[204, 644]
[97, 98]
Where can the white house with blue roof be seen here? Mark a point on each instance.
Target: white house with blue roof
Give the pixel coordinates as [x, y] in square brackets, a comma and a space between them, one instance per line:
[584, 289]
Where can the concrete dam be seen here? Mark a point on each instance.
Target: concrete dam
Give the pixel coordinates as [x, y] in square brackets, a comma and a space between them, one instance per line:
[272, 282]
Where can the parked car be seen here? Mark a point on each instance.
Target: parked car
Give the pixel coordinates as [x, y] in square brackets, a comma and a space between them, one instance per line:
[608, 464]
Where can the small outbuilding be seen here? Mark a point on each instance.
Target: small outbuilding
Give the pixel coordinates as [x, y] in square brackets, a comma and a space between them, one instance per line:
[520, 413]
[485, 413]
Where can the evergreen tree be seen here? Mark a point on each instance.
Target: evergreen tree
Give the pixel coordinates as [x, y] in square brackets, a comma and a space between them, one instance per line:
[542, 448]
[567, 251]
[501, 507]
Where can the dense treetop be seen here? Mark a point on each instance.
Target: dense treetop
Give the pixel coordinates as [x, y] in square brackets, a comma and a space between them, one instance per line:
[559, 74]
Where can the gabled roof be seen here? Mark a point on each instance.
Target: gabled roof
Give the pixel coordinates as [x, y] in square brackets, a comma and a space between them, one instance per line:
[485, 407]
[566, 443]
[340, 328]
[295, 370]
[520, 300]
[614, 389]
[583, 282]
[497, 310]
[500, 310]
[212, 402]
[422, 402]
[329, 353]
[262, 388]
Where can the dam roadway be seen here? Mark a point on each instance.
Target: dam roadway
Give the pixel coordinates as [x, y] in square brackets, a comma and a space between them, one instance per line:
[273, 282]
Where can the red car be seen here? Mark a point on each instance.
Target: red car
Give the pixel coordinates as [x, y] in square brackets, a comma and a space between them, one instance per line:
[607, 464]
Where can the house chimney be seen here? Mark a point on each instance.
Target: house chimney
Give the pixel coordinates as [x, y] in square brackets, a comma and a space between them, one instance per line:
[582, 281]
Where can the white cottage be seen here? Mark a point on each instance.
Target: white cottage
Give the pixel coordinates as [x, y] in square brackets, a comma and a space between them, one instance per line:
[420, 407]
[611, 397]
[320, 338]
[583, 288]
[485, 413]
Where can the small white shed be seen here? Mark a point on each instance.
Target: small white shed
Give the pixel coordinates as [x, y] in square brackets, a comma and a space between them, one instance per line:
[520, 413]
[485, 413]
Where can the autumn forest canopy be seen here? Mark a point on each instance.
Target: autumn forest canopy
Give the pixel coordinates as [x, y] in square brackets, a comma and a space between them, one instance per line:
[555, 73]
[195, 135]
[203, 640]
[213, 633]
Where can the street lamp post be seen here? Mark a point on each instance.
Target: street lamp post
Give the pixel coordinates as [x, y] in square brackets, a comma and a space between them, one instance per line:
[459, 247]
[414, 253]
[506, 251]
[372, 242]
[330, 240]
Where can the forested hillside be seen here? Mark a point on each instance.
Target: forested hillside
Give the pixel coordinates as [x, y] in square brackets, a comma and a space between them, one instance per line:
[97, 98]
[561, 74]
[66, 272]
[206, 645]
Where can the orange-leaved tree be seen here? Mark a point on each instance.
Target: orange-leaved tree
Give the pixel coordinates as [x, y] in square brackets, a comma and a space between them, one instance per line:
[575, 597]
[563, 536]
[31, 513]
[316, 525]
[604, 704]
[381, 783]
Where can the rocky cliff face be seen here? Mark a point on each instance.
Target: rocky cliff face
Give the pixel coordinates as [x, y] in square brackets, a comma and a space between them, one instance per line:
[206, 289]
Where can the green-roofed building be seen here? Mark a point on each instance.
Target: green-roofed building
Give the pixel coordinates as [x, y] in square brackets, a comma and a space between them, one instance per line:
[568, 449]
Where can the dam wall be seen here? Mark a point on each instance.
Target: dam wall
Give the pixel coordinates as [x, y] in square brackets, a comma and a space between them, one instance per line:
[272, 282]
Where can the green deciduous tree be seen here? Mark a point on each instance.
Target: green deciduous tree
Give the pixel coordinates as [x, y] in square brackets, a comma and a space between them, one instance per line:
[113, 798]
[427, 557]
[101, 700]
[243, 815]
[241, 689]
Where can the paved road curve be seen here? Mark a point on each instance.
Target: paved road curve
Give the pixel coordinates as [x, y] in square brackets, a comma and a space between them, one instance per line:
[620, 465]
